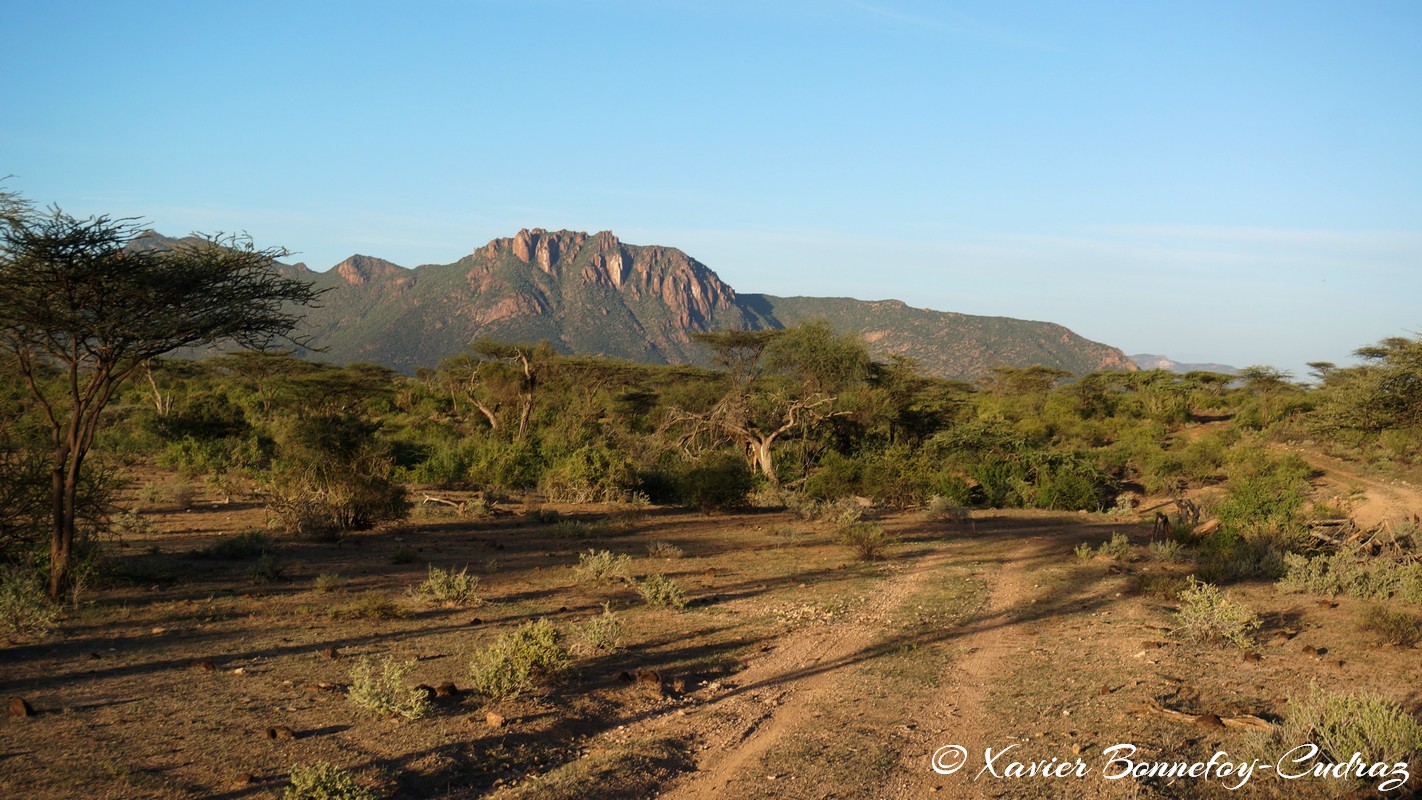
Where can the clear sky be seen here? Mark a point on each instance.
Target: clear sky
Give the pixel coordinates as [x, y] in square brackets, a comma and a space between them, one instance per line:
[1227, 181]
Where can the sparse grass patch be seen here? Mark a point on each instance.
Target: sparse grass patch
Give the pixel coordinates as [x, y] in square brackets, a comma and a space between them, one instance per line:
[659, 591]
[602, 566]
[946, 510]
[322, 780]
[516, 660]
[1117, 548]
[1207, 615]
[25, 611]
[449, 588]
[404, 555]
[368, 605]
[1393, 627]
[380, 689]
[328, 582]
[867, 539]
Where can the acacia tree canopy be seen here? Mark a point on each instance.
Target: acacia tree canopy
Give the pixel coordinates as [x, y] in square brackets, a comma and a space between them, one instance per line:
[95, 299]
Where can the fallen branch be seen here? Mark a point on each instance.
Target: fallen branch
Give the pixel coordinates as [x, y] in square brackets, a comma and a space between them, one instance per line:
[1243, 722]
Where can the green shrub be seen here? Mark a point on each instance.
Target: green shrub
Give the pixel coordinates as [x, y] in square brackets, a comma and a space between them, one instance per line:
[600, 634]
[404, 555]
[25, 610]
[1229, 556]
[380, 689]
[947, 509]
[718, 483]
[1378, 730]
[449, 588]
[1394, 627]
[324, 781]
[1206, 615]
[516, 660]
[664, 550]
[267, 569]
[328, 582]
[1117, 548]
[1169, 550]
[1353, 574]
[867, 539]
[1263, 493]
[602, 566]
[591, 474]
[659, 591]
[333, 475]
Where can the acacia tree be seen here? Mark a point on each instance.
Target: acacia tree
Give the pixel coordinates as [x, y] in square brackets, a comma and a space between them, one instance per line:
[780, 381]
[493, 371]
[83, 307]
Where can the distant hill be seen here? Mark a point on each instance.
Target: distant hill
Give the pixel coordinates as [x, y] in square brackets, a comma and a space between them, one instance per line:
[1151, 361]
[596, 295]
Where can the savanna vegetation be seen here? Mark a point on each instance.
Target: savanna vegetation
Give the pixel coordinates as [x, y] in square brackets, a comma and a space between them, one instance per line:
[94, 402]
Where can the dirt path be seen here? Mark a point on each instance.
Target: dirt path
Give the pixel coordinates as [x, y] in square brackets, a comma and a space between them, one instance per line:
[779, 694]
[961, 716]
[1383, 499]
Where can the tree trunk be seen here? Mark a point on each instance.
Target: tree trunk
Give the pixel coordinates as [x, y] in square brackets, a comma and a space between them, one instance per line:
[61, 542]
[761, 450]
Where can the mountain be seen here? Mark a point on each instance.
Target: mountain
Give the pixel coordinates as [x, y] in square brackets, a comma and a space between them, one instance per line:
[1152, 361]
[596, 295]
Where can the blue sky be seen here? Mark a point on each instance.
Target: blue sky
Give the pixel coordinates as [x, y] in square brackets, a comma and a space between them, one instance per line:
[1233, 181]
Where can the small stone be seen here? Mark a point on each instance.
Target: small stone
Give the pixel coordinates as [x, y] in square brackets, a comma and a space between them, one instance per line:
[446, 690]
[331, 652]
[202, 665]
[494, 720]
[20, 707]
[157, 631]
[1208, 720]
[624, 676]
[476, 621]
[1310, 650]
[281, 733]
[1251, 656]
[427, 691]
[242, 781]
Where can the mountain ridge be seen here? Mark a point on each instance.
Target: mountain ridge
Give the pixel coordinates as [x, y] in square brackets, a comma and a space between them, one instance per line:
[595, 295]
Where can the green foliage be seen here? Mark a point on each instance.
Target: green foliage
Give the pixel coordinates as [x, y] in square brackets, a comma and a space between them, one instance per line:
[380, 689]
[1392, 626]
[322, 780]
[659, 591]
[867, 539]
[333, 476]
[25, 611]
[600, 634]
[1354, 574]
[590, 474]
[1117, 548]
[602, 566]
[1207, 615]
[717, 483]
[661, 549]
[449, 588]
[267, 569]
[1376, 729]
[328, 582]
[515, 661]
[1263, 493]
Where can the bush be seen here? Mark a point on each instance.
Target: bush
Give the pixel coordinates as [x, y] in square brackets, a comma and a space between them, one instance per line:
[244, 545]
[324, 781]
[659, 591]
[511, 665]
[1353, 574]
[600, 634]
[1378, 730]
[382, 690]
[368, 605]
[1117, 548]
[1394, 627]
[948, 509]
[664, 550]
[1263, 493]
[25, 610]
[602, 566]
[268, 569]
[866, 538]
[328, 582]
[589, 474]
[449, 588]
[333, 476]
[719, 483]
[1206, 615]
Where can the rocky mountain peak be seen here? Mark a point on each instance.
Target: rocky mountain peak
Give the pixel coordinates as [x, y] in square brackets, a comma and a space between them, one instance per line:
[359, 270]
